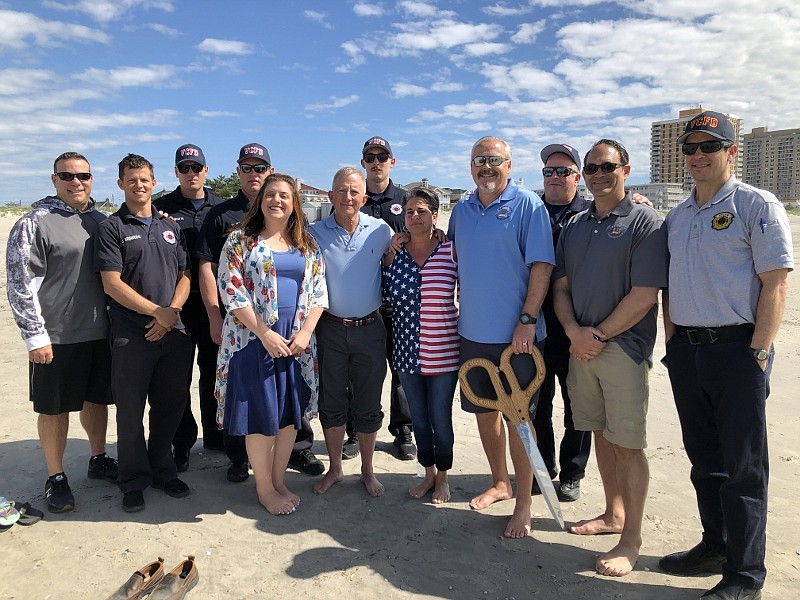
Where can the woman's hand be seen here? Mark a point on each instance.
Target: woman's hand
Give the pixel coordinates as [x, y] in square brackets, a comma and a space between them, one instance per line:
[275, 345]
[299, 342]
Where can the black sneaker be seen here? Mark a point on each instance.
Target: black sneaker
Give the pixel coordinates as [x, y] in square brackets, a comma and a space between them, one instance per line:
[569, 491]
[700, 560]
[181, 460]
[58, 494]
[103, 466]
[350, 448]
[237, 472]
[305, 462]
[133, 501]
[174, 487]
[406, 450]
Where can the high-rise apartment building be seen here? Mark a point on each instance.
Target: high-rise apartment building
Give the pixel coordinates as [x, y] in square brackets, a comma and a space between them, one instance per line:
[666, 159]
[772, 161]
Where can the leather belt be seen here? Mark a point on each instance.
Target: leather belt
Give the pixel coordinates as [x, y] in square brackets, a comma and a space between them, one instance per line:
[703, 336]
[360, 322]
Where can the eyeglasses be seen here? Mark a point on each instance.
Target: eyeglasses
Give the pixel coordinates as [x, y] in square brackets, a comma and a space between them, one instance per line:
[709, 147]
[256, 168]
[194, 168]
[606, 167]
[66, 176]
[560, 171]
[370, 158]
[495, 161]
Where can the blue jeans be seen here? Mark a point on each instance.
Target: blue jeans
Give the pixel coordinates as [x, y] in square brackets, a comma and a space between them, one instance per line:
[430, 398]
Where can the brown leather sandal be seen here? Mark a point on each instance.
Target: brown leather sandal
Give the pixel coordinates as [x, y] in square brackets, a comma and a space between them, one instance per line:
[141, 583]
[177, 583]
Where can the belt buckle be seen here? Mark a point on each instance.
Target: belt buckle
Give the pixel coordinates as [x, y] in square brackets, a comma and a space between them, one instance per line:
[350, 322]
[712, 335]
[691, 335]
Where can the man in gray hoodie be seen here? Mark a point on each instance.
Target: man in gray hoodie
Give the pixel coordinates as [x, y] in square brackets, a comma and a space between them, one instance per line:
[60, 308]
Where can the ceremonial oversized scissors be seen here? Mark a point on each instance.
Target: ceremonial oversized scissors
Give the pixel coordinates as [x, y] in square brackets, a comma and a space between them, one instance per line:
[515, 408]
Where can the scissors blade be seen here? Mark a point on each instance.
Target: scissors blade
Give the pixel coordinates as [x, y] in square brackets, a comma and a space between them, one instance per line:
[540, 472]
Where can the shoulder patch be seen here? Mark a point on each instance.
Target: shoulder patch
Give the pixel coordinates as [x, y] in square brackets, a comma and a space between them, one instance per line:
[722, 221]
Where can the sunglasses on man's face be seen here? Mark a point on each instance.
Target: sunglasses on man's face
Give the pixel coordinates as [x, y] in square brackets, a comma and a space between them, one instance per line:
[66, 176]
[560, 171]
[186, 168]
[370, 158]
[606, 167]
[495, 161]
[256, 168]
[708, 147]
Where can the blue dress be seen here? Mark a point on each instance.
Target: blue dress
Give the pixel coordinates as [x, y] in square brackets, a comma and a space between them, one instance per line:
[266, 394]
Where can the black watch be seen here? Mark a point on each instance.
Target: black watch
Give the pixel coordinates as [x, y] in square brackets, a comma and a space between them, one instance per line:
[526, 319]
[759, 354]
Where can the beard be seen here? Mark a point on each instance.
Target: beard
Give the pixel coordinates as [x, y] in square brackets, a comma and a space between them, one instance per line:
[490, 187]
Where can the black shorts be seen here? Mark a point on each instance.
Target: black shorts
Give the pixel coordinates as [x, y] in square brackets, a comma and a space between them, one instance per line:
[79, 373]
[522, 364]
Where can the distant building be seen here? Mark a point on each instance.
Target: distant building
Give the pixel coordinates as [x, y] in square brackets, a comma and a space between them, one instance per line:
[583, 193]
[445, 195]
[663, 195]
[772, 161]
[316, 204]
[666, 159]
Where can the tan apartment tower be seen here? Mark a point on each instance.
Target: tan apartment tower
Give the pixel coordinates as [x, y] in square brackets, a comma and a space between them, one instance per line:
[666, 159]
[772, 161]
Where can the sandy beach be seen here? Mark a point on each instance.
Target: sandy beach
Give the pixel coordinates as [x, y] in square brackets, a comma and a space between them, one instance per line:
[350, 546]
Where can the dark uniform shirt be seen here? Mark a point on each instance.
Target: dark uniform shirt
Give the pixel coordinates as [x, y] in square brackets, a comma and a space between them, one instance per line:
[218, 223]
[149, 259]
[387, 205]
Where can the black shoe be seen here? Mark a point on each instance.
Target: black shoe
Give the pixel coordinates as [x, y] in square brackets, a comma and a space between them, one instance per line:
[700, 560]
[305, 462]
[569, 491]
[406, 450]
[237, 472]
[181, 460]
[723, 591]
[133, 501]
[536, 490]
[174, 487]
[58, 494]
[103, 466]
[350, 448]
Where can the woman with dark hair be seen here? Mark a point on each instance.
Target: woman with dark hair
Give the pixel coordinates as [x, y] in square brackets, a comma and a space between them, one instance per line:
[419, 284]
[272, 282]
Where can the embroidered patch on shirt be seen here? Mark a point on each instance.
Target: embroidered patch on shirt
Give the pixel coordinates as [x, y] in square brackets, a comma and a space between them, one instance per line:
[395, 209]
[722, 221]
[503, 213]
[616, 230]
[169, 237]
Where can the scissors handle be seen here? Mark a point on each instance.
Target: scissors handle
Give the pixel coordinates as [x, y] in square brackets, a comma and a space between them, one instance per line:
[514, 405]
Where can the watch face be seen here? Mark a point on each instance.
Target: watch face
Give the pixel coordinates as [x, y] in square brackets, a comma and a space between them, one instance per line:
[762, 355]
[526, 319]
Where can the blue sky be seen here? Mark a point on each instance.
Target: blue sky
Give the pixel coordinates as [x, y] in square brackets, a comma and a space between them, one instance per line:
[313, 80]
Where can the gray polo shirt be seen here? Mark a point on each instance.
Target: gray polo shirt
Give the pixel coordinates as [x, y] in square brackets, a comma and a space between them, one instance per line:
[717, 251]
[603, 259]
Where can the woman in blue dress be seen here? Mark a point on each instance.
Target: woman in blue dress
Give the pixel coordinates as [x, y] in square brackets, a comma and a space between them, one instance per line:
[272, 282]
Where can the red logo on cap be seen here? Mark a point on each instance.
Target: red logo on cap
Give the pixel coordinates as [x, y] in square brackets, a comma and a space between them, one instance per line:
[189, 152]
[704, 122]
[376, 141]
[254, 150]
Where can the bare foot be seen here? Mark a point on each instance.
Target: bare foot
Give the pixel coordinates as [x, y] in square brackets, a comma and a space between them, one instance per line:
[618, 561]
[519, 525]
[500, 491]
[330, 479]
[291, 497]
[418, 491]
[275, 503]
[598, 526]
[441, 493]
[374, 487]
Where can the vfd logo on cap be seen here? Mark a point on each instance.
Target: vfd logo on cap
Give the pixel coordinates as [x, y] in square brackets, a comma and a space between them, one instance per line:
[169, 237]
[189, 152]
[376, 141]
[253, 150]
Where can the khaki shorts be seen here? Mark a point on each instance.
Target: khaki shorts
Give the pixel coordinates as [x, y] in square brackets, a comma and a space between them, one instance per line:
[609, 393]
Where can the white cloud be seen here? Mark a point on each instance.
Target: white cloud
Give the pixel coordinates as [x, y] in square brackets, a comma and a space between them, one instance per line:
[402, 90]
[419, 9]
[249, 92]
[501, 10]
[486, 49]
[333, 104]
[16, 28]
[447, 86]
[211, 114]
[527, 32]
[164, 30]
[149, 76]
[215, 46]
[523, 79]
[318, 17]
[105, 11]
[368, 10]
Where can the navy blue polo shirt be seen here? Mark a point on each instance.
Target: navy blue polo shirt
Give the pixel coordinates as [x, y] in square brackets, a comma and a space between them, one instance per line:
[189, 218]
[387, 205]
[218, 223]
[148, 257]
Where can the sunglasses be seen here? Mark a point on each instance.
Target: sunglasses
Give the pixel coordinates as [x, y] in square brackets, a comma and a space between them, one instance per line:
[607, 167]
[495, 161]
[560, 171]
[186, 168]
[65, 176]
[709, 147]
[370, 158]
[256, 168]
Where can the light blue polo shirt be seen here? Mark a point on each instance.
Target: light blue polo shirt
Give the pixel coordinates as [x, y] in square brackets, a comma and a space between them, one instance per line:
[717, 251]
[352, 264]
[496, 247]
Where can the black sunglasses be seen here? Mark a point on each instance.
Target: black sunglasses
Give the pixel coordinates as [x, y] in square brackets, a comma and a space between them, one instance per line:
[708, 147]
[194, 168]
[495, 161]
[256, 168]
[66, 176]
[370, 158]
[560, 171]
[606, 167]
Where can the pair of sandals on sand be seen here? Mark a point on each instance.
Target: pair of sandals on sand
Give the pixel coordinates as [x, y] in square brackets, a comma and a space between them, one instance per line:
[23, 514]
[151, 580]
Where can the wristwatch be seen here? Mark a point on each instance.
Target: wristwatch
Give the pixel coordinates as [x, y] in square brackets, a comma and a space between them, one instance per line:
[526, 319]
[759, 354]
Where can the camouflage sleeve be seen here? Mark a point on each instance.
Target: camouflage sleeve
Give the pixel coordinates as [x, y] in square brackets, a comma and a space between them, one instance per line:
[26, 265]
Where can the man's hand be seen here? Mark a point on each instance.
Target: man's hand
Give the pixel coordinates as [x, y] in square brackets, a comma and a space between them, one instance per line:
[440, 235]
[155, 332]
[41, 356]
[639, 199]
[524, 336]
[166, 316]
[587, 343]
[398, 241]
[215, 326]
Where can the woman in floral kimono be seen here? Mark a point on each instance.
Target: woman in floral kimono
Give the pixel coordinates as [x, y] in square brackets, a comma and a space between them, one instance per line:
[272, 282]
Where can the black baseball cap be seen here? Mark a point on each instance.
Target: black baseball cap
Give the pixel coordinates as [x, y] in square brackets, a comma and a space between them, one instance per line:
[377, 142]
[548, 151]
[190, 153]
[255, 151]
[713, 123]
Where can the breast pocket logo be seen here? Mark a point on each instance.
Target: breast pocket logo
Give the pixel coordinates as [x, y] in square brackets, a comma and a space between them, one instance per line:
[395, 209]
[169, 237]
[617, 230]
[721, 221]
[503, 213]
